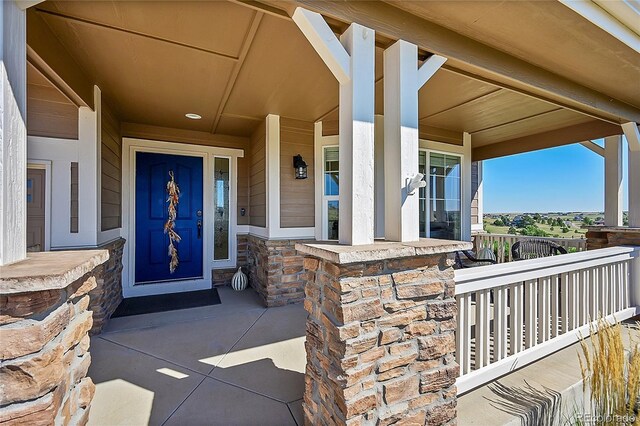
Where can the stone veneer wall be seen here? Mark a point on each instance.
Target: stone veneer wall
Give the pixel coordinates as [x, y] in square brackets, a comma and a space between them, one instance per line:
[107, 295]
[601, 237]
[380, 342]
[276, 270]
[44, 353]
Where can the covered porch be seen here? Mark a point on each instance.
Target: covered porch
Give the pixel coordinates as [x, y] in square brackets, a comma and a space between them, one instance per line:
[325, 148]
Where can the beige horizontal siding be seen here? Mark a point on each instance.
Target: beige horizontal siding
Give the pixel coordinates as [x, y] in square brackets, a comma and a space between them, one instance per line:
[111, 170]
[297, 196]
[257, 179]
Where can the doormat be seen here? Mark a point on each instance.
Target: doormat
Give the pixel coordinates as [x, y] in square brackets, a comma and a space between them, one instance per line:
[166, 302]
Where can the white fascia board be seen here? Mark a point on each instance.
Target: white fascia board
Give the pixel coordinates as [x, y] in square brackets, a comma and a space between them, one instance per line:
[325, 42]
[599, 17]
[632, 134]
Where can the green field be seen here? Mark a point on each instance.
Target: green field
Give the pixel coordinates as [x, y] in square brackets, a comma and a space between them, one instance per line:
[576, 230]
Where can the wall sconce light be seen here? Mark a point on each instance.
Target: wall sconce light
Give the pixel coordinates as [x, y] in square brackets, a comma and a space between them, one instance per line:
[300, 167]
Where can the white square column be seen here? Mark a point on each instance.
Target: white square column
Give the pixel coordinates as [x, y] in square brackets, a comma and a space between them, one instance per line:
[634, 189]
[401, 209]
[352, 62]
[613, 181]
[632, 133]
[13, 133]
[357, 103]
[402, 80]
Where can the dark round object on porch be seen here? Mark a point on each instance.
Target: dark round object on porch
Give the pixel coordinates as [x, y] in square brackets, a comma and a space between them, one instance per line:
[535, 248]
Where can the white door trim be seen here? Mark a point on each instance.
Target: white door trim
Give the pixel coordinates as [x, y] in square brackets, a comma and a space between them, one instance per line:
[130, 147]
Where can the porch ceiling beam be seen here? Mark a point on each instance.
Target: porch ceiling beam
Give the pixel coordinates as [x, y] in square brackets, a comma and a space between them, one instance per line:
[472, 57]
[269, 10]
[599, 17]
[473, 100]
[516, 121]
[593, 147]
[231, 82]
[89, 22]
[632, 133]
[49, 56]
[568, 135]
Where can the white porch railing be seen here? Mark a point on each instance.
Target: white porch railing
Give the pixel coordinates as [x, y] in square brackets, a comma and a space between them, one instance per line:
[501, 243]
[513, 314]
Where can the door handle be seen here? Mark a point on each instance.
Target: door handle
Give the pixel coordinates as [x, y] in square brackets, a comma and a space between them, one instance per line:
[199, 229]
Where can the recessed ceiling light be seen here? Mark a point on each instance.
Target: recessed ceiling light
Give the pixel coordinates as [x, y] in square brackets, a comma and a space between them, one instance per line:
[193, 116]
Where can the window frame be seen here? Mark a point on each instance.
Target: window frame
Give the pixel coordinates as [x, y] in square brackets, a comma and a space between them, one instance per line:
[428, 152]
[327, 198]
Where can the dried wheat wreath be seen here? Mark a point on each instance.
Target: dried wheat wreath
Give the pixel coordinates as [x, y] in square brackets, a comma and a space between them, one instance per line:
[169, 227]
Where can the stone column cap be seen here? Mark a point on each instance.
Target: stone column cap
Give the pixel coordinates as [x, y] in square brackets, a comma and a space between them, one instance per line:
[604, 228]
[380, 250]
[52, 270]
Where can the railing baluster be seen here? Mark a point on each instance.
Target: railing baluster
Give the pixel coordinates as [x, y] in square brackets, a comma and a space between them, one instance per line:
[530, 319]
[543, 309]
[564, 301]
[483, 319]
[516, 318]
[624, 283]
[583, 288]
[619, 288]
[626, 273]
[573, 300]
[462, 338]
[610, 277]
[466, 326]
[500, 323]
[555, 305]
[593, 293]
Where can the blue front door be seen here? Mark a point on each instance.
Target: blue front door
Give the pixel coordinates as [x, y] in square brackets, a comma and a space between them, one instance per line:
[152, 244]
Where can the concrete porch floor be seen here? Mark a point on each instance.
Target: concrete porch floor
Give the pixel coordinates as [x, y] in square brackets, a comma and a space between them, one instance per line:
[235, 363]
[239, 363]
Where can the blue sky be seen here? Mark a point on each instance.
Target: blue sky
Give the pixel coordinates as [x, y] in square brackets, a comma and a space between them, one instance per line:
[566, 178]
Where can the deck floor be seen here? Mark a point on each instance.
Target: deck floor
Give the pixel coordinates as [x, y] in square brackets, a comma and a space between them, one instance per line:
[548, 387]
[236, 363]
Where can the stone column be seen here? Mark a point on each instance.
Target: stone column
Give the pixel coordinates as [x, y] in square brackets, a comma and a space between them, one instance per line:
[380, 333]
[44, 326]
[612, 236]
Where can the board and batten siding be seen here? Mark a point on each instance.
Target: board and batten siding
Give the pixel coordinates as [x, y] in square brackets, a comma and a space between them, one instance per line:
[257, 179]
[111, 170]
[297, 196]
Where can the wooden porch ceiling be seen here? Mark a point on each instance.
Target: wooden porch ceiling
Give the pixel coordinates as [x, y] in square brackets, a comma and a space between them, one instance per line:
[235, 62]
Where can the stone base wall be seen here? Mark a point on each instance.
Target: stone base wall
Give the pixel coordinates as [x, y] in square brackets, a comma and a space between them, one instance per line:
[601, 237]
[222, 277]
[276, 270]
[380, 342]
[107, 295]
[45, 358]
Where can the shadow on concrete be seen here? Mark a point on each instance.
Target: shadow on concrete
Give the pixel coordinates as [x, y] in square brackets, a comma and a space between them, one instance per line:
[533, 406]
